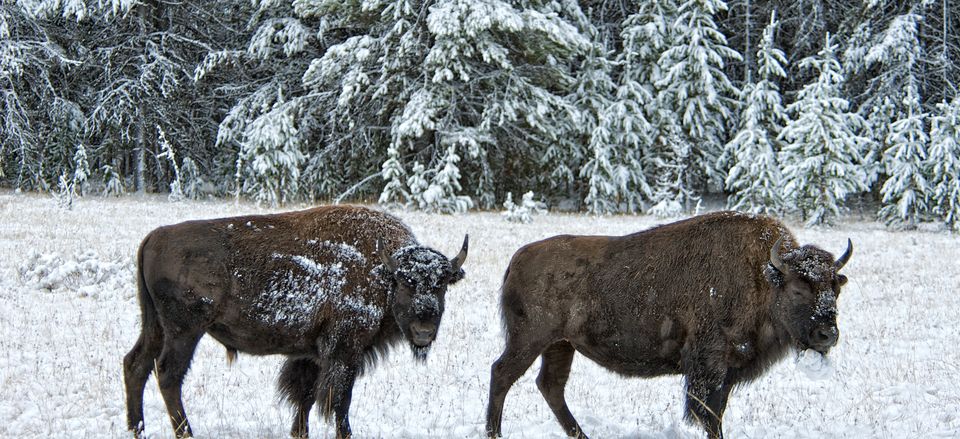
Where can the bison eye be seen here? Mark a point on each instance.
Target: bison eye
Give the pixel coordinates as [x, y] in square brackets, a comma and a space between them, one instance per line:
[800, 290]
[406, 282]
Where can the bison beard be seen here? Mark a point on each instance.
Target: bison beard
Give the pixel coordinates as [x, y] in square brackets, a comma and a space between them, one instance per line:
[332, 288]
[717, 298]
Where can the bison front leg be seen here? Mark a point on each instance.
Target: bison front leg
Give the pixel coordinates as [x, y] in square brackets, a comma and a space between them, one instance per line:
[707, 392]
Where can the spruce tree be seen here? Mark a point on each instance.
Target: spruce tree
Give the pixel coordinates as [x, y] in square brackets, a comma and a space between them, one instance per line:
[754, 179]
[905, 191]
[893, 93]
[943, 163]
[822, 151]
[695, 87]
[619, 141]
[271, 159]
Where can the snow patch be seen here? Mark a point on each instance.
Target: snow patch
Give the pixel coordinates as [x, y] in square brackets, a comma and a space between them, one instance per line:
[814, 365]
[293, 298]
[85, 274]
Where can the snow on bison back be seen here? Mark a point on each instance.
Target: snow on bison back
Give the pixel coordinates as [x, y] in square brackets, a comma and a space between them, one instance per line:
[331, 288]
[717, 298]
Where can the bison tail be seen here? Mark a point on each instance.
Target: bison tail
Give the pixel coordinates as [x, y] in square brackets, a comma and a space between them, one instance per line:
[503, 290]
[297, 383]
[148, 311]
[231, 356]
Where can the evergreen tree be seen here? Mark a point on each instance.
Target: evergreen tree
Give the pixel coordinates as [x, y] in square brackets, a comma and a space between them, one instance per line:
[895, 58]
[671, 163]
[81, 169]
[879, 120]
[754, 179]
[646, 36]
[393, 173]
[905, 191]
[440, 194]
[668, 178]
[695, 88]
[944, 163]
[618, 142]
[271, 159]
[822, 143]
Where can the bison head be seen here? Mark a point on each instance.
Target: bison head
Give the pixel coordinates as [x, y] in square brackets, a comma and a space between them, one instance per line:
[420, 277]
[806, 285]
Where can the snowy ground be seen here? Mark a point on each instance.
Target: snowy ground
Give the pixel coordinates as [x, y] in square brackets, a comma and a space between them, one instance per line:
[68, 315]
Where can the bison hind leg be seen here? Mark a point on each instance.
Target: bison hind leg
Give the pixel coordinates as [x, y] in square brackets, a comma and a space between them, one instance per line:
[554, 371]
[137, 365]
[515, 360]
[297, 385]
[172, 366]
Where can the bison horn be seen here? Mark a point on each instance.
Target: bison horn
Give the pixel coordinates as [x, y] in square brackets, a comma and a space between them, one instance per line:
[457, 261]
[385, 258]
[845, 256]
[775, 256]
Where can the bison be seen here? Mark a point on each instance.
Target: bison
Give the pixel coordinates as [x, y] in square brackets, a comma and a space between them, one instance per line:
[717, 298]
[332, 288]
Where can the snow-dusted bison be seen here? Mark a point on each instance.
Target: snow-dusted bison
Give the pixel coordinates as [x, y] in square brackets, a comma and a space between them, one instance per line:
[717, 298]
[331, 288]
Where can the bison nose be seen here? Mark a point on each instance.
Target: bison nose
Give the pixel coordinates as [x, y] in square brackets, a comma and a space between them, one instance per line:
[824, 337]
[423, 333]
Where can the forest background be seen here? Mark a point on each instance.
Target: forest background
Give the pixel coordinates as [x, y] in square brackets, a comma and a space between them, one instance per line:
[803, 107]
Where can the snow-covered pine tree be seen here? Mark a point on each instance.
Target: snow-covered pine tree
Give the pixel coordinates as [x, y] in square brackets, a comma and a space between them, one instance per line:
[879, 120]
[112, 181]
[694, 86]
[485, 80]
[270, 154]
[81, 169]
[943, 162]
[193, 181]
[618, 139]
[894, 56]
[523, 212]
[440, 194]
[646, 35]
[592, 97]
[905, 191]
[522, 107]
[671, 164]
[821, 156]
[176, 183]
[393, 173]
[754, 180]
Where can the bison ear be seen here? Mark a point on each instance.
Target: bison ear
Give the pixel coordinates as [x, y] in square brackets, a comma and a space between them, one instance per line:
[841, 279]
[387, 259]
[455, 276]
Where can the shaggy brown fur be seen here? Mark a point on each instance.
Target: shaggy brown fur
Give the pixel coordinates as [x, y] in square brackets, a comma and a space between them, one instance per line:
[698, 297]
[311, 285]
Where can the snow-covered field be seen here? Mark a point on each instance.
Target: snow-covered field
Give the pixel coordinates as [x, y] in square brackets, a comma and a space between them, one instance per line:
[68, 315]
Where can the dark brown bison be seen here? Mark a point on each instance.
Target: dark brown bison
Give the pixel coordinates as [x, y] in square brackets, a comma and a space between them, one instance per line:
[717, 298]
[331, 288]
